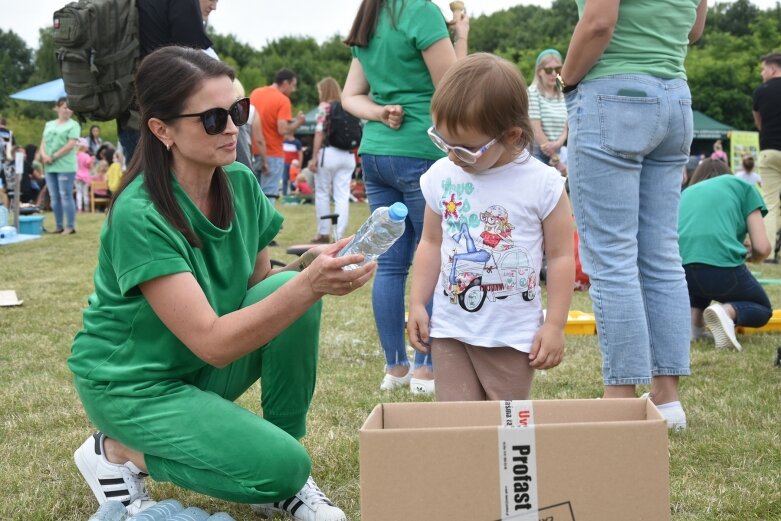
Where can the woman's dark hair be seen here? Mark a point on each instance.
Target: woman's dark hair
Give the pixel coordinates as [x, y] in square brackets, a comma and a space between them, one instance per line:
[708, 169]
[366, 19]
[99, 153]
[29, 151]
[108, 154]
[165, 80]
[90, 137]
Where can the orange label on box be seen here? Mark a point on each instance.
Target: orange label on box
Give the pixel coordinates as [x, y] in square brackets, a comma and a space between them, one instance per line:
[517, 413]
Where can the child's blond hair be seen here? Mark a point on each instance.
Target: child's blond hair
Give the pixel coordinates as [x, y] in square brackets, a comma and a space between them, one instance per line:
[486, 93]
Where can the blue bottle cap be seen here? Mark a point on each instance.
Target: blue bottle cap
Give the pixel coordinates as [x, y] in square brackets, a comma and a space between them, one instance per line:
[397, 212]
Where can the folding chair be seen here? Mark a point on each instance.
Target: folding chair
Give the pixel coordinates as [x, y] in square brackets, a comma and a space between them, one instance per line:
[98, 199]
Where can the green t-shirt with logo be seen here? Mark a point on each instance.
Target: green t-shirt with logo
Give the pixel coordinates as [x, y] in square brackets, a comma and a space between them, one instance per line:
[712, 221]
[55, 136]
[651, 37]
[397, 74]
[122, 339]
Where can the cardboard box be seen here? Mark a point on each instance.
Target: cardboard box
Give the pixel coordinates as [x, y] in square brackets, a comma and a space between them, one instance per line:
[540, 460]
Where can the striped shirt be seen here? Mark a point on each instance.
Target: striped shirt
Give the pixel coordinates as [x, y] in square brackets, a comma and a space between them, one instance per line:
[552, 112]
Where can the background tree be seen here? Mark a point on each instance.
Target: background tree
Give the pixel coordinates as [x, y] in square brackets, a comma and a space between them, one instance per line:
[16, 65]
[723, 68]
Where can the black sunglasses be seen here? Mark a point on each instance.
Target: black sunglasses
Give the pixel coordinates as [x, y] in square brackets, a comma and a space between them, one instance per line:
[215, 120]
[549, 70]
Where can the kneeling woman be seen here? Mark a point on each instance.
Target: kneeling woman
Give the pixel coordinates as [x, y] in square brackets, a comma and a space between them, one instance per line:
[187, 313]
[716, 211]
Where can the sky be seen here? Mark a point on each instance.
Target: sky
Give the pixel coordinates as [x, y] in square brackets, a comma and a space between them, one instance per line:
[257, 22]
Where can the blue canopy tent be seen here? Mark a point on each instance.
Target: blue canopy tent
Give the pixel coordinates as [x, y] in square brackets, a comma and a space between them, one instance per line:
[49, 91]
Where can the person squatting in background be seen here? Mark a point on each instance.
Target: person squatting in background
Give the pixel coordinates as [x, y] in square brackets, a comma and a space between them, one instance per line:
[717, 210]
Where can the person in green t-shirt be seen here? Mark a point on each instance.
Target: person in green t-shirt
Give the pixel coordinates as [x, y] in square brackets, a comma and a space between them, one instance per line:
[58, 154]
[630, 130]
[187, 313]
[401, 50]
[716, 212]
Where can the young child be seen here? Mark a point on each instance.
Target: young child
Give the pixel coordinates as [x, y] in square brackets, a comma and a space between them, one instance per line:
[293, 150]
[747, 173]
[491, 211]
[114, 172]
[83, 175]
[100, 171]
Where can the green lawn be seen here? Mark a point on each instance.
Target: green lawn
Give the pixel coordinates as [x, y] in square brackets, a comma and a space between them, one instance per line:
[726, 466]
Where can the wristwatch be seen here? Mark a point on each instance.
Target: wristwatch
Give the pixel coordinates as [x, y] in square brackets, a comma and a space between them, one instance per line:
[563, 87]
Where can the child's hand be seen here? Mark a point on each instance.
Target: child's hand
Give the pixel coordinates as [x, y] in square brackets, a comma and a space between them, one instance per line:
[547, 347]
[417, 328]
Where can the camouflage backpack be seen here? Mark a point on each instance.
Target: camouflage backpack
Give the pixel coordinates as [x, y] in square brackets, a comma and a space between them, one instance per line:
[98, 53]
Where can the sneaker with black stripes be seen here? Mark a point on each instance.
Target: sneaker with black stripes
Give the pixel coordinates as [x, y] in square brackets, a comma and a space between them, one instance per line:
[310, 504]
[111, 481]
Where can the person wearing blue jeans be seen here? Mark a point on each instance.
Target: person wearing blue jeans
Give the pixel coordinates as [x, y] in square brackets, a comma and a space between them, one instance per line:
[270, 180]
[61, 194]
[401, 50]
[389, 179]
[630, 130]
[58, 155]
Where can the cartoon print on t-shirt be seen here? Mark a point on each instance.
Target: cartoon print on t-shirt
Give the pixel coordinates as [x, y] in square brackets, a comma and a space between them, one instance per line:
[487, 267]
[498, 229]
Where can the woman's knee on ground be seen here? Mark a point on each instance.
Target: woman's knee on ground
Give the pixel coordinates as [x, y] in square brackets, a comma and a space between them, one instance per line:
[282, 474]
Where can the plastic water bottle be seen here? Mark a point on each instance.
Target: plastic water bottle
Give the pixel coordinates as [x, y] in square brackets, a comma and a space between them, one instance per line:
[190, 514]
[159, 512]
[377, 234]
[110, 511]
[3, 215]
[220, 516]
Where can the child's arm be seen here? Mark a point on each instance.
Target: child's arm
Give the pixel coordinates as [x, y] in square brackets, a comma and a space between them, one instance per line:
[425, 272]
[548, 346]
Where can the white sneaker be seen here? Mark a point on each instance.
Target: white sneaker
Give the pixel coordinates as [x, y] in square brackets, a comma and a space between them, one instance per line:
[673, 414]
[310, 504]
[722, 327]
[420, 386]
[390, 382]
[109, 481]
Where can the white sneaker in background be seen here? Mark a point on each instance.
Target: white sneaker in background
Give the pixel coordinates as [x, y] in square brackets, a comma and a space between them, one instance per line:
[722, 327]
[420, 386]
[310, 504]
[390, 382]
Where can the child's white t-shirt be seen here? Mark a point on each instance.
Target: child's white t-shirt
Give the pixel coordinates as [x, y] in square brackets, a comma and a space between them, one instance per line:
[493, 297]
[751, 178]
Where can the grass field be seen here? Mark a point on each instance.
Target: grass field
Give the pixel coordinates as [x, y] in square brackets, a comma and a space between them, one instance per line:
[726, 466]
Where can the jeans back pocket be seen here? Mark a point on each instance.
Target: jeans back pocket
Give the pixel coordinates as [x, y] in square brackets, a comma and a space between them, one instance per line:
[629, 125]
